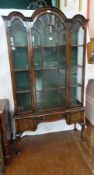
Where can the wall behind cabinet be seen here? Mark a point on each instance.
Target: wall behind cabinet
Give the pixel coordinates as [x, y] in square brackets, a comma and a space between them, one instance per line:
[74, 5]
[5, 78]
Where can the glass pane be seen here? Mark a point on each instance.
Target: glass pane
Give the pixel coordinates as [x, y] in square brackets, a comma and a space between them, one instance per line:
[79, 75]
[51, 37]
[75, 76]
[50, 78]
[36, 36]
[61, 77]
[37, 57]
[24, 101]
[62, 97]
[76, 96]
[22, 80]
[18, 34]
[39, 100]
[74, 55]
[58, 23]
[77, 34]
[38, 80]
[48, 20]
[77, 55]
[62, 37]
[62, 56]
[20, 58]
[49, 28]
[50, 99]
[80, 55]
[50, 57]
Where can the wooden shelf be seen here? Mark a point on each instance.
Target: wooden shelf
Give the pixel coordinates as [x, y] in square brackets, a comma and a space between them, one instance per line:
[19, 46]
[75, 85]
[50, 46]
[76, 66]
[76, 45]
[23, 91]
[21, 70]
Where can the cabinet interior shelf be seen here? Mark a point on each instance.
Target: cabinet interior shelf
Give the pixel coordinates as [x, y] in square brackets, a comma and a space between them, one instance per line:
[75, 85]
[21, 70]
[22, 91]
[56, 67]
[48, 89]
[76, 66]
[77, 45]
[56, 47]
[49, 68]
[48, 46]
[18, 46]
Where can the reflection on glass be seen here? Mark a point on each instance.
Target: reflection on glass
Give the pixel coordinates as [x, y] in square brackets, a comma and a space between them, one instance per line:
[61, 77]
[79, 75]
[75, 96]
[73, 99]
[50, 38]
[77, 55]
[62, 56]
[61, 97]
[39, 100]
[62, 37]
[81, 36]
[50, 57]
[37, 57]
[18, 34]
[74, 38]
[80, 55]
[79, 94]
[50, 78]
[75, 76]
[20, 58]
[50, 29]
[74, 55]
[50, 99]
[38, 80]
[36, 37]
[24, 101]
[77, 34]
[22, 80]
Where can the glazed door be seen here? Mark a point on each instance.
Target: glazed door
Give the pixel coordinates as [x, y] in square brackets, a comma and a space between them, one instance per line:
[77, 65]
[49, 61]
[20, 65]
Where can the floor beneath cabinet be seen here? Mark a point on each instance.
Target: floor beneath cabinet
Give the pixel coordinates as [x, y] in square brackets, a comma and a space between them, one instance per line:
[60, 153]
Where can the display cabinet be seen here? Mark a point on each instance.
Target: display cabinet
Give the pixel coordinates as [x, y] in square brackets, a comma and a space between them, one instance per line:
[47, 61]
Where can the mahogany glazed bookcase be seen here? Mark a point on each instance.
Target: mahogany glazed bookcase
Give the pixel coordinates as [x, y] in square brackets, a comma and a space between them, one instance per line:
[47, 61]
